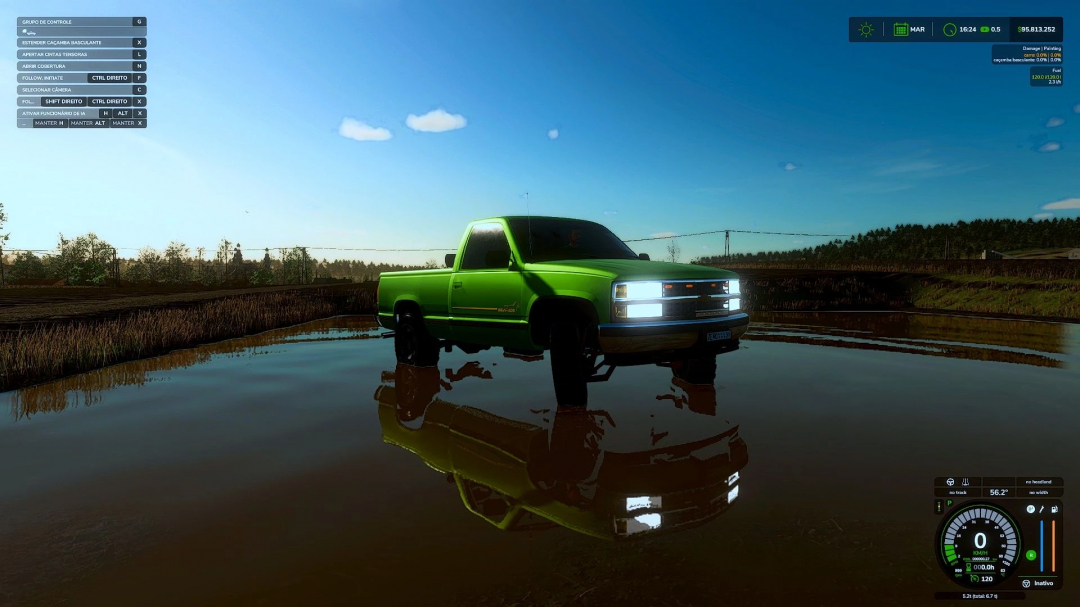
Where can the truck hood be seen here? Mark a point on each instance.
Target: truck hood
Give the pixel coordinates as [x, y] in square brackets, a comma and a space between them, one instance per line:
[632, 269]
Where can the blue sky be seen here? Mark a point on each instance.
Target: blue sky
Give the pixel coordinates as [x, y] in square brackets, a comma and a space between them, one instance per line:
[669, 120]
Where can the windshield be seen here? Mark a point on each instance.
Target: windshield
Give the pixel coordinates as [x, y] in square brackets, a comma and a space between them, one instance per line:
[562, 239]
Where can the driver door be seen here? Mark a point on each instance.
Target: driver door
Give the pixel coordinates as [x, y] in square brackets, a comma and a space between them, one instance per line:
[485, 292]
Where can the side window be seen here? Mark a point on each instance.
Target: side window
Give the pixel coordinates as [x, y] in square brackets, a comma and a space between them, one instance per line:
[487, 248]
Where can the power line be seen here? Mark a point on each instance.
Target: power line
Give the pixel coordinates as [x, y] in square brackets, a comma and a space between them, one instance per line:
[350, 249]
[628, 240]
[368, 249]
[735, 232]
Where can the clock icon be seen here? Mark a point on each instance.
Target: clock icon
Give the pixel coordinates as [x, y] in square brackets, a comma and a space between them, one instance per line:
[949, 29]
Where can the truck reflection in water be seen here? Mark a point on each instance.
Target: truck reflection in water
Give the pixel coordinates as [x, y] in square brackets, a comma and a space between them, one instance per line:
[523, 476]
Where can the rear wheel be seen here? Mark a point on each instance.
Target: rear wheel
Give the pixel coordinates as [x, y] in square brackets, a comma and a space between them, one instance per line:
[412, 343]
[568, 365]
[697, 370]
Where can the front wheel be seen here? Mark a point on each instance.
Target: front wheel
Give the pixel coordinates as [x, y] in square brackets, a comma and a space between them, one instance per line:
[568, 364]
[412, 343]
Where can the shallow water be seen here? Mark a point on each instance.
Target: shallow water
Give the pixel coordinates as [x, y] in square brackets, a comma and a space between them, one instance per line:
[303, 466]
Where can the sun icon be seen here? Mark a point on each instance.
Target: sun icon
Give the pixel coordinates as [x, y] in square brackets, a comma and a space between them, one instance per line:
[866, 30]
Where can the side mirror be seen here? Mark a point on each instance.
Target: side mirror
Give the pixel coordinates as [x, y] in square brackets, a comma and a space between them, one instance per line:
[449, 259]
[497, 259]
[644, 256]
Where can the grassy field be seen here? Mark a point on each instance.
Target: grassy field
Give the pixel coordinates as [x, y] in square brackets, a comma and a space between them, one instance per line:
[1056, 298]
[82, 337]
[995, 289]
[1038, 269]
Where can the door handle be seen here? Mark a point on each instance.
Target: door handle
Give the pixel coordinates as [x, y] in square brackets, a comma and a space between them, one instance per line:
[457, 285]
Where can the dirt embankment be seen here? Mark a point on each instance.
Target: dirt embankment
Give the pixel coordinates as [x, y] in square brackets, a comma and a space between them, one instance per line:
[800, 289]
[64, 338]
[48, 305]
[792, 290]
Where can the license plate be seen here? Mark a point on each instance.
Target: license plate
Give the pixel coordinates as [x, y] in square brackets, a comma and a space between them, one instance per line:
[718, 335]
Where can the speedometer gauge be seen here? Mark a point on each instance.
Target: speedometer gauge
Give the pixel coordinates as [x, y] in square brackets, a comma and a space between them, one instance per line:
[979, 545]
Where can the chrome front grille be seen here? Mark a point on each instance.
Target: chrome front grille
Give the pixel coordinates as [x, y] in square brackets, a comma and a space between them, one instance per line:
[698, 307]
[694, 288]
[674, 300]
[691, 299]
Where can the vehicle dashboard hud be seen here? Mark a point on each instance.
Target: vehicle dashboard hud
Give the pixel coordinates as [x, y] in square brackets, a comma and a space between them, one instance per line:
[1000, 536]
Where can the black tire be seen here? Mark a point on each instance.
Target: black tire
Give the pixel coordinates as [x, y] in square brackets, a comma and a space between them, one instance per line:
[412, 343]
[568, 365]
[698, 370]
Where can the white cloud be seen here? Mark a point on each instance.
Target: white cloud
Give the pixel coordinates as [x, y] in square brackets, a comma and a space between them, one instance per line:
[788, 166]
[1076, 108]
[1055, 121]
[435, 121]
[354, 129]
[553, 134]
[663, 235]
[611, 212]
[1065, 203]
[1042, 215]
[1049, 146]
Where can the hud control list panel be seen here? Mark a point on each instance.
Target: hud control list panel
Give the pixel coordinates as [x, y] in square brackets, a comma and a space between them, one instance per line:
[1000, 537]
[1034, 42]
[81, 72]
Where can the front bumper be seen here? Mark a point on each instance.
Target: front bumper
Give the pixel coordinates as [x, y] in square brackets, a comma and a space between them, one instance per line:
[633, 337]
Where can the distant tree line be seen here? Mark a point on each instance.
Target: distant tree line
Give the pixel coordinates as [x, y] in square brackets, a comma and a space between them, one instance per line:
[960, 240]
[90, 261]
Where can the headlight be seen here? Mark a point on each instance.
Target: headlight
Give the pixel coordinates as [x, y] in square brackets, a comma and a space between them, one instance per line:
[733, 286]
[733, 304]
[644, 310]
[639, 290]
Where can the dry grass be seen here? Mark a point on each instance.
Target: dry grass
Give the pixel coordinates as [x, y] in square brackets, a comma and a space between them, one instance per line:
[88, 388]
[50, 351]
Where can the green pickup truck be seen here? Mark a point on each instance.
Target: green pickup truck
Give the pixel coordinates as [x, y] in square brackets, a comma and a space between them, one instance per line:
[569, 286]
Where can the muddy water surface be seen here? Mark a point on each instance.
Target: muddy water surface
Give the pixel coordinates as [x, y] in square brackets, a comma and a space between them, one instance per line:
[303, 466]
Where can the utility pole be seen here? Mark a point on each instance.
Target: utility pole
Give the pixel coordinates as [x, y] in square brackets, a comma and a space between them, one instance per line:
[727, 245]
[3, 280]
